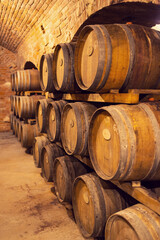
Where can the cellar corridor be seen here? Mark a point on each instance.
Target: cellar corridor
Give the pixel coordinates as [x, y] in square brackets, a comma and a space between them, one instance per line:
[28, 207]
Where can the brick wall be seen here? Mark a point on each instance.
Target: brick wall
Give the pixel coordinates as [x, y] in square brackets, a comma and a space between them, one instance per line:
[8, 64]
[62, 22]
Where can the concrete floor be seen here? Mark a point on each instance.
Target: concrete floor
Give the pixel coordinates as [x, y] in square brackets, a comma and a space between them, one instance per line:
[28, 208]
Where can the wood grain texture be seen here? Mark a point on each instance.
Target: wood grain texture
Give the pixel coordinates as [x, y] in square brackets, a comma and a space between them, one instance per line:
[137, 222]
[39, 143]
[111, 57]
[123, 142]
[48, 154]
[74, 127]
[65, 170]
[94, 201]
[53, 122]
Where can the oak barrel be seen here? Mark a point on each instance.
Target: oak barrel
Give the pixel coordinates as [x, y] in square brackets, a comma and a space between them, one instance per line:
[22, 107]
[27, 106]
[17, 127]
[14, 101]
[124, 142]
[39, 143]
[75, 121]
[46, 73]
[65, 170]
[18, 80]
[16, 105]
[11, 121]
[117, 56]
[11, 101]
[94, 201]
[63, 68]
[27, 135]
[36, 131]
[41, 109]
[53, 122]
[48, 155]
[31, 80]
[13, 81]
[19, 130]
[137, 222]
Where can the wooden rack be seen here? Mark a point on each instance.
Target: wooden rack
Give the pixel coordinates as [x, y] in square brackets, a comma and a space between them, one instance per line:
[114, 96]
[141, 194]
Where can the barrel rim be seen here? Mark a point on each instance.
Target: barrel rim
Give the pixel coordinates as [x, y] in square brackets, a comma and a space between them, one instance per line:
[40, 102]
[130, 216]
[99, 227]
[77, 112]
[63, 160]
[49, 86]
[56, 136]
[46, 149]
[96, 167]
[83, 32]
[65, 51]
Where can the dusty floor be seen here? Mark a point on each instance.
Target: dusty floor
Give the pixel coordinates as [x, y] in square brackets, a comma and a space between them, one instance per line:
[28, 208]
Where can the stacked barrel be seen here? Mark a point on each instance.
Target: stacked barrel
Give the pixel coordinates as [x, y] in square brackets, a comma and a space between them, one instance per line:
[118, 142]
[23, 106]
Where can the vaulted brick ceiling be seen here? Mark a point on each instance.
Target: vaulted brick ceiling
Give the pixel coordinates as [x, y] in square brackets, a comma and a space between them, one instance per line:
[17, 17]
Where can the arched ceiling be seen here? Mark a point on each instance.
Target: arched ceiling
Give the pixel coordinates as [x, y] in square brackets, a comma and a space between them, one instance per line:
[17, 17]
[135, 12]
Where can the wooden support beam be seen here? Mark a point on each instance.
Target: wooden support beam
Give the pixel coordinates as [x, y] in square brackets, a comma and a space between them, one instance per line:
[129, 98]
[142, 194]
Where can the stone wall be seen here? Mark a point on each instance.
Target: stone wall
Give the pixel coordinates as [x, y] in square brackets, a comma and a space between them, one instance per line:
[8, 64]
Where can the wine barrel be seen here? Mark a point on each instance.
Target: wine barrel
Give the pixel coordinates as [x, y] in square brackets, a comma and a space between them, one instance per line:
[112, 56]
[16, 105]
[27, 106]
[17, 127]
[75, 121]
[124, 142]
[13, 81]
[137, 222]
[94, 201]
[18, 80]
[14, 101]
[48, 155]
[39, 143]
[36, 131]
[65, 170]
[11, 101]
[31, 80]
[27, 135]
[53, 122]
[11, 121]
[46, 73]
[22, 107]
[63, 68]
[41, 109]
[19, 130]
